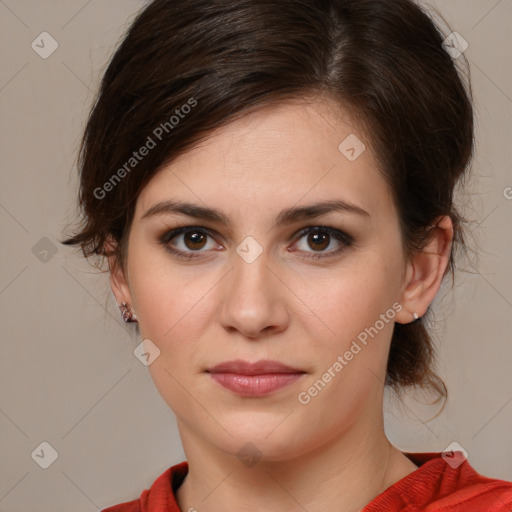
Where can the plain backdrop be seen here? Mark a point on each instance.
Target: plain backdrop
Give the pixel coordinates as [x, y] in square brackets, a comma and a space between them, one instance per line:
[68, 374]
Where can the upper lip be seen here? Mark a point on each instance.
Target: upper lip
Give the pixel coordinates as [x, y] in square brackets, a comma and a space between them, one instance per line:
[262, 367]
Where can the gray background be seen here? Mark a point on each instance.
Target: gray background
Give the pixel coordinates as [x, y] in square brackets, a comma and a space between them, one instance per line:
[68, 375]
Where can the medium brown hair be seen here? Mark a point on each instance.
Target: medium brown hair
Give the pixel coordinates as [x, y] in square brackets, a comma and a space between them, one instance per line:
[384, 60]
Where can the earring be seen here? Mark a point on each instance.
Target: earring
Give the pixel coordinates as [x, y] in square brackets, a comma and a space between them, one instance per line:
[126, 313]
[415, 316]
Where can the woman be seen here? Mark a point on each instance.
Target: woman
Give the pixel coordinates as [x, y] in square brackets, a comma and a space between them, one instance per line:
[271, 182]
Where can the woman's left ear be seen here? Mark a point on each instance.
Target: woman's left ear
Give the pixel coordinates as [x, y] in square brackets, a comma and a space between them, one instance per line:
[425, 272]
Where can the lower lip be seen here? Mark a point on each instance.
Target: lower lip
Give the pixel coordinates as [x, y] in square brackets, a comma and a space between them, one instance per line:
[255, 385]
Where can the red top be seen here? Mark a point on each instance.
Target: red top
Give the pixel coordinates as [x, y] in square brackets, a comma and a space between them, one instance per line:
[436, 486]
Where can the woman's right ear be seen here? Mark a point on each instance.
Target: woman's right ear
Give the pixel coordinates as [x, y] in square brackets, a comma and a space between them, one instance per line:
[118, 281]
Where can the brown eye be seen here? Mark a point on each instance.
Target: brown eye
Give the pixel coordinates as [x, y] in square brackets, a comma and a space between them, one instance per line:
[186, 241]
[194, 240]
[319, 238]
[319, 241]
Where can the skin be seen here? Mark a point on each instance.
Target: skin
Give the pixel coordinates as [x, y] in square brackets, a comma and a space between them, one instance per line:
[332, 453]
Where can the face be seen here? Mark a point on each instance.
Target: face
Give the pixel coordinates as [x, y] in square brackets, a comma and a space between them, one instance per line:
[269, 279]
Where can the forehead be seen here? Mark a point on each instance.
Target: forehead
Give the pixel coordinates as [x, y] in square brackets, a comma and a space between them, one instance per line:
[297, 151]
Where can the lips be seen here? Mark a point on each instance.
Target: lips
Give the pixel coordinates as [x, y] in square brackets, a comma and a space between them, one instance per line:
[254, 379]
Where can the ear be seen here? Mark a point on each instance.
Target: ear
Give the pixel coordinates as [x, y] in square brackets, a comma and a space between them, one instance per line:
[425, 272]
[118, 280]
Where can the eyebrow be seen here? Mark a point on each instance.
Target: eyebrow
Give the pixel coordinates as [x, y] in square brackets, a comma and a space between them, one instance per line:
[287, 216]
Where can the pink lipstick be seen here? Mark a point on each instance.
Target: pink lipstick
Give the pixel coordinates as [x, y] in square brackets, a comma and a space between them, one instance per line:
[254, 379]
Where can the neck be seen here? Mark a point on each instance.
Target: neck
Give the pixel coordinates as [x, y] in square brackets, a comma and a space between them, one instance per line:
[344, 474]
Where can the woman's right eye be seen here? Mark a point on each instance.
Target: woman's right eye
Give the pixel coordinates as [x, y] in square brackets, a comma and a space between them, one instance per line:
[187, 240]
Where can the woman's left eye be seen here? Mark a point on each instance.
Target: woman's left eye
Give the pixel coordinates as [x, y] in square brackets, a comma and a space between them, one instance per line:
[193, 239]
[321, 237]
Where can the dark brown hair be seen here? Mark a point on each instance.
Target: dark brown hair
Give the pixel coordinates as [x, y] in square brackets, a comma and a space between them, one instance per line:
[188, 67]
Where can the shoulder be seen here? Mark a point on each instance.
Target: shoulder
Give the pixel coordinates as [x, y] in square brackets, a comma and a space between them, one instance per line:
[128, 506]
[469, 490]
[444, 484]
[160, 497]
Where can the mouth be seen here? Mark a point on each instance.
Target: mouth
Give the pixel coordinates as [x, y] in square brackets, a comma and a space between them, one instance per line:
[254, 379]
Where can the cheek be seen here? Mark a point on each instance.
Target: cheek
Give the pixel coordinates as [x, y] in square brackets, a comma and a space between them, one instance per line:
[168, 297]
[351, 361]
[174, 312]
[359, 307]
[353, 298]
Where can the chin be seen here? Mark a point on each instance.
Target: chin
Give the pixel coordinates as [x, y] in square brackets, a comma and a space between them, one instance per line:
[260, 437]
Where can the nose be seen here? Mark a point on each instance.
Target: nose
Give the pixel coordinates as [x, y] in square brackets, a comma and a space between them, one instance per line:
[253, 299]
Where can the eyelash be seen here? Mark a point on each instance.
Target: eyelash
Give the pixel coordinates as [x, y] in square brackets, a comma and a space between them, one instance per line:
[345, 239]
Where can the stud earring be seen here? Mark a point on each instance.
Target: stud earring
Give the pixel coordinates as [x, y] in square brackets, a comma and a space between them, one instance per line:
[415, 316]
[126, 313]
